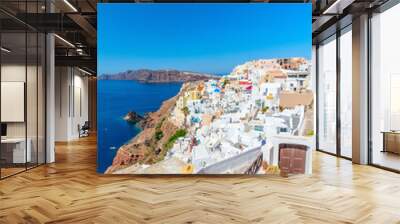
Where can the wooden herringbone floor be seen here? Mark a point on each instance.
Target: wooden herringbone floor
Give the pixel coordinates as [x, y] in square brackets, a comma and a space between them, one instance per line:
[70, 191]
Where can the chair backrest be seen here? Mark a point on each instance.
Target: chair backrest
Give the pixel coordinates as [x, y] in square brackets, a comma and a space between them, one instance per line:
[86, 125]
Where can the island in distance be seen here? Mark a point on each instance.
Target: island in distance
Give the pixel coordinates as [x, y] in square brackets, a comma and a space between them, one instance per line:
[158, 76]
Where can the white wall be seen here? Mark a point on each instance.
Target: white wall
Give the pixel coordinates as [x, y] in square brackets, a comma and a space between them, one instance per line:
[16, 72]
[80, 110]
[9, 73]
[71, 102]
[62, 82]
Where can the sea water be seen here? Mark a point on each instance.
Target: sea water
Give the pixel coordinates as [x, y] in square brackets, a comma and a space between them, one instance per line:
[115, 98]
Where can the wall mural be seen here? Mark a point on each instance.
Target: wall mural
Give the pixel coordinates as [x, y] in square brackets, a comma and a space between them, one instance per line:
[205, 89]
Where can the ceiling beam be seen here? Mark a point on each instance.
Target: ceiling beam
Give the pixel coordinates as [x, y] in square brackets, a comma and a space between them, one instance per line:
[84, 24]
[77, 61]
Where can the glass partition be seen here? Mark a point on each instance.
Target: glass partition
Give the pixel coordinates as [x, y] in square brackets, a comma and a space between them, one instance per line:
[31, 99]
[346, 92]
[327, 95]
[385, 89]
[41, 97]
[22, 90]
[13, 105]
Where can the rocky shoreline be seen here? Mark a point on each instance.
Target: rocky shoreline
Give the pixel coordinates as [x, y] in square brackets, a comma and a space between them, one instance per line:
[133, 117]
[148, 147]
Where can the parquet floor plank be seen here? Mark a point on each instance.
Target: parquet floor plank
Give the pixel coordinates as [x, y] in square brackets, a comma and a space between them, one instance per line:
[70, 191]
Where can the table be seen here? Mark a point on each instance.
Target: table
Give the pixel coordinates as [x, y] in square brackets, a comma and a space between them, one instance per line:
[13, 150]
[391, 141]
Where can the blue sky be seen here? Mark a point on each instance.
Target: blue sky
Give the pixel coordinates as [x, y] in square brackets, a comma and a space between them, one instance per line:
[211, 38]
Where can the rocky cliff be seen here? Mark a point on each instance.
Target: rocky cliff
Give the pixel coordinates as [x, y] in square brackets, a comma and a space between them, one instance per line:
[158, 76]
[133, 117]
[148, 147]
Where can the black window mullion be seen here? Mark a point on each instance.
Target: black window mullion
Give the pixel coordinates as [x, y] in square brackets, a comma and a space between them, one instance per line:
[338, 76]
[37, 90]
[45, 94]
[369, 79]
[317, 96]
[26, 87]
[1, 165]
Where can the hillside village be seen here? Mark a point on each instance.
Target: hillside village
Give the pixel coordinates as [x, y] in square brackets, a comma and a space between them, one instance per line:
[225, 125]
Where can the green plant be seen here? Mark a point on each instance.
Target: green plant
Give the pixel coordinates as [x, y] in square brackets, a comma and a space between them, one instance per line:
[158, 135]
[310, 133]
[179, 133]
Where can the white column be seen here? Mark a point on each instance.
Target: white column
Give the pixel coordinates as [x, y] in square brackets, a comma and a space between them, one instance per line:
[360, 90]
[50, 99]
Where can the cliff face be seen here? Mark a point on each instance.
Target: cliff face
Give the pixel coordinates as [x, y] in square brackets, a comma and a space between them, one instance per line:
[148, 146]
[157, 76]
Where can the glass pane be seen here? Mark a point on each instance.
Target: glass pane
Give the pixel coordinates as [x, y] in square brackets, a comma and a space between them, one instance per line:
[386, 89]
[32, 98]
[31, 88]
[327, 96]
[346, 93]
[23, 89]
[41, 98]
[13, 87]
